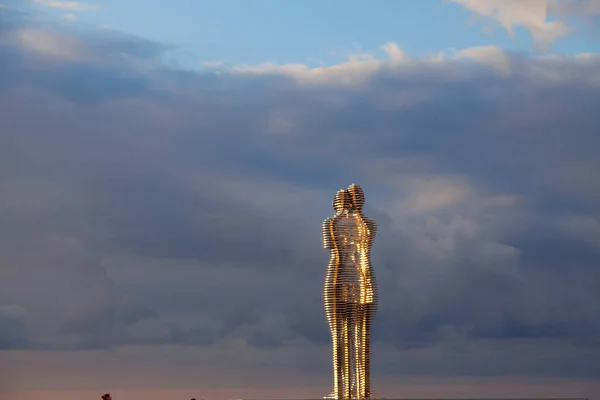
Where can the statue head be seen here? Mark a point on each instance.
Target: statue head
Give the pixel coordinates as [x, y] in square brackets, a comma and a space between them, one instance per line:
[357, 196]
[341, 200]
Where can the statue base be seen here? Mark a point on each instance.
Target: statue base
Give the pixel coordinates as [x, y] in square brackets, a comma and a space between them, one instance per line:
[374, 396]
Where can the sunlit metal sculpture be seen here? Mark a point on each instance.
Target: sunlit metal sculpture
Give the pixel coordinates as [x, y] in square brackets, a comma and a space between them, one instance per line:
[350, 293]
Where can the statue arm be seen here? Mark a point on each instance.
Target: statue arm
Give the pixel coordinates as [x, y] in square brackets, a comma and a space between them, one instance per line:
[327, 239]
[372, 230]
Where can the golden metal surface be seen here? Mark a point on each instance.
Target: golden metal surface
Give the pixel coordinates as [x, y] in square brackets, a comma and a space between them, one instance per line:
[350, 293]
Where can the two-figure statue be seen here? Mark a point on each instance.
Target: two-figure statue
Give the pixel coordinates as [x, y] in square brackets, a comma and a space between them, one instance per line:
[350, 293]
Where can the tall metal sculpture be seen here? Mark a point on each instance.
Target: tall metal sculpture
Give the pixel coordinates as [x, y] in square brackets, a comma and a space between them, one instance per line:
[350, 293]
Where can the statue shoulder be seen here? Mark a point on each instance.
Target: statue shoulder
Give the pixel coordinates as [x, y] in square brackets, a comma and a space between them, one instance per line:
[326, 228]
[370, 223]
[327, 221]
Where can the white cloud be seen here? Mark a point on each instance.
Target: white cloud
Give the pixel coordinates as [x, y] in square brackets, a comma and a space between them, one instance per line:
[214, 64]
[49, 43]
[65, 5]
[358, 71]
[355, 71]
[439, 240]
[56, 42]
[429, 195]
[531, 14]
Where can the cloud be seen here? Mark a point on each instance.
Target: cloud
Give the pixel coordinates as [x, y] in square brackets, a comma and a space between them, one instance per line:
[49, 43]
[532, 15]
[575, 7]
[116, 47]
[65, 5]
[14, 332]
[427, 195]
[489, 55]
[356, 71]
[150, 206]
[546, 20]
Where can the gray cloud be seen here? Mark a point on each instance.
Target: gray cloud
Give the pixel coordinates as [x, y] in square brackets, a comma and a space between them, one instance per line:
[146, 205]
[14, 332]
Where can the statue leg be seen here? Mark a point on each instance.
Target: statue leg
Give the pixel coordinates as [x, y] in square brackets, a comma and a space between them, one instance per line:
[347, 368]
[351, 351]
[334, 312]
[357, 351]
[336, 324]
[338, 357]
[367, 317]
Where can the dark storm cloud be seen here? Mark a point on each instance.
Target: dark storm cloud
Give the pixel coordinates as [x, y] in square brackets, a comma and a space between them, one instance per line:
[13, 334]
[146, 205]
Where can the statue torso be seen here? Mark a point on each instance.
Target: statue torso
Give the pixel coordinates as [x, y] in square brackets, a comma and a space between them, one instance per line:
[353, 247]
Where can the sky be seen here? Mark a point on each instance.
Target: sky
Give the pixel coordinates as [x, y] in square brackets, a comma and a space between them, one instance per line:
[165, 168]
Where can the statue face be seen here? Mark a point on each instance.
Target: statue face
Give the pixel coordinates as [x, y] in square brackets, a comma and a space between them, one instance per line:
[357, 196]
[341, 200]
